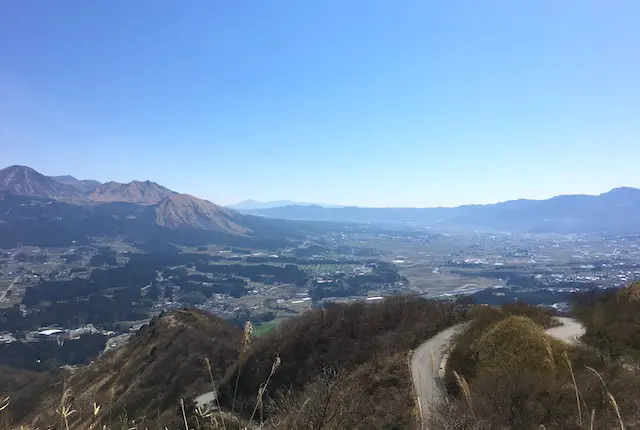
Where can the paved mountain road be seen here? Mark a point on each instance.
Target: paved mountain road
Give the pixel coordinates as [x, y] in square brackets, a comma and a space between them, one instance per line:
[427, 361]
[569, 332]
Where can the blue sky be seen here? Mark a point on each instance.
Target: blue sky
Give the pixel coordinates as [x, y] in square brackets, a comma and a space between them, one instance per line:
[372, 103]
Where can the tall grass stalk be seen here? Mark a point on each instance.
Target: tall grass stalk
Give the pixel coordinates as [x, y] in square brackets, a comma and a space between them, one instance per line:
[4, 402]
[246, 341]
[575, 388]
[112, 393]
[616, 408]
[612, 400]
[215, 390]
[184, 415]
[65, 411]
[262, 389]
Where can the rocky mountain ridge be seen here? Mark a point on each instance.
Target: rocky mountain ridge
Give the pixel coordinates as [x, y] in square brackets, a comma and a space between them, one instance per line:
[140, 192]
[36, 209]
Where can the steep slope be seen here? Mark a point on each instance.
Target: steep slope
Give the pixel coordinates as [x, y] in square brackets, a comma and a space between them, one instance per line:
[22, 386]
[182, 210]
[24, 181]
[180, 220]
[84, 186]
[163, 363]
[146, 193]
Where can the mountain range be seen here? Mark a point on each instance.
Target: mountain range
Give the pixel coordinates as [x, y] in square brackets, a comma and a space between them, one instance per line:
[56, 211]
[24, 181]
[248, 205]
[42, 210]
[141, 192]
[616, 212]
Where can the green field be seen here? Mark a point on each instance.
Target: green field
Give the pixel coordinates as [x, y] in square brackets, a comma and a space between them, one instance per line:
[265, 328]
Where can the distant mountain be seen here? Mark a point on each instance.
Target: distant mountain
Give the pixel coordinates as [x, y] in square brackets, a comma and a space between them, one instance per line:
[246, 205]
[180, 210]
[182, 220]
[24, 181]
[145, 193]
[617, 211]
[38, 210]
[84, 186]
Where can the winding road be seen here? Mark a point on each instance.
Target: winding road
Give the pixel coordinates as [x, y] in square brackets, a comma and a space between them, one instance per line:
[429, 359]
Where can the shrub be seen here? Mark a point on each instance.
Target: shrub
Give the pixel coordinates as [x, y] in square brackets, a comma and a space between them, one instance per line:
[514, 345]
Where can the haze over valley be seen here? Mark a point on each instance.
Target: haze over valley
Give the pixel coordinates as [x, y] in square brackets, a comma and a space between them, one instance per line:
[362, 215]
[264, 269]
[91, 269]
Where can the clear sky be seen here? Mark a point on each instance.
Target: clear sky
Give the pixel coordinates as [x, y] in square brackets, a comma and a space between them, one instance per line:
[372, 102]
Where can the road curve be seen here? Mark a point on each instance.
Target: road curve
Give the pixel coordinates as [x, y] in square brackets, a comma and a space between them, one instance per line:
[569, 332]
[427, 364]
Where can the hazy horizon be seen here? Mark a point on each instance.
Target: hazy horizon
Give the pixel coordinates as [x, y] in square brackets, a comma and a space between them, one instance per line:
[376, 104]
[328, 204]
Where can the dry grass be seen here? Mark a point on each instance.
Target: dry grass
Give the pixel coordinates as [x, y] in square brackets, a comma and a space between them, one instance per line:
[359, 397]
[164, 362]
[4, 402]
[154, 378]
[575, 387]
[246, 341]
[205, 419]
[566, 397]
[610, 397]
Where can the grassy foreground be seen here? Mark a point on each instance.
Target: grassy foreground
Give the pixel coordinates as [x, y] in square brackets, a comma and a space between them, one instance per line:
[336, 368]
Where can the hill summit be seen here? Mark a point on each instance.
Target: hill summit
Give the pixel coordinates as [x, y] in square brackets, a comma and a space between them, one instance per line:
[139, 192]
[25, 181]
[162, 363]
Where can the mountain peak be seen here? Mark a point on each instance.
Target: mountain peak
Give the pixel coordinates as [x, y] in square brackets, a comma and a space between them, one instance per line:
[140, 192]
[19, 167]
[623, 190]
[25, 181]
